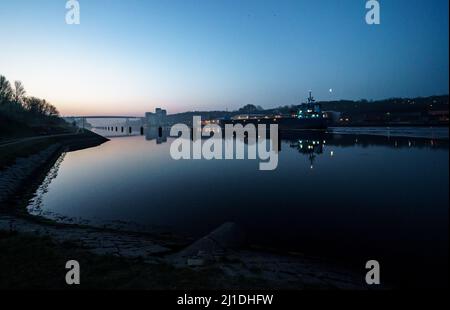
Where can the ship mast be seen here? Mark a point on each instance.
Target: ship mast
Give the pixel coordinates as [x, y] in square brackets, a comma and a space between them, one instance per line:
[310, 98]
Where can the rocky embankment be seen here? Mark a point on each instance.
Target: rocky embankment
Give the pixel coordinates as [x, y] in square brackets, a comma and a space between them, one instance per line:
[97, 241]
[13, 177]
[26, 168]
[224, 249]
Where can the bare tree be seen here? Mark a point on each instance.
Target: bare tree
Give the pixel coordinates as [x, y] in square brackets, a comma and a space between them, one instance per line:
[19, 93]
[5, 90]
[18, 103]
[39, 106]
[52, 111]
[33, 105]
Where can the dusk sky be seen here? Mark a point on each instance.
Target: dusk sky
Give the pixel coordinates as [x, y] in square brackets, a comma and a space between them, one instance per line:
[128, 57]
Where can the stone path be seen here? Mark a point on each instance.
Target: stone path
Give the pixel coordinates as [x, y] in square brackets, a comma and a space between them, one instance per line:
[224, 249]
[35, 138]
[95, 240]
[290, 272]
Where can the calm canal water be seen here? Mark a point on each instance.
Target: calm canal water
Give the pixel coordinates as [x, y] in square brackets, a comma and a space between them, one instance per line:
[345, 196]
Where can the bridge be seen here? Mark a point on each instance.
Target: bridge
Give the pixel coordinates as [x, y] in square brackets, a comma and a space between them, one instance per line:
[157, 119]
[126, 128]
[102, 116]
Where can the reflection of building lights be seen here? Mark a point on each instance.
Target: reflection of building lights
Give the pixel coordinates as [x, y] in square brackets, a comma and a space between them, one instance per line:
[312, 167]
[331, 153]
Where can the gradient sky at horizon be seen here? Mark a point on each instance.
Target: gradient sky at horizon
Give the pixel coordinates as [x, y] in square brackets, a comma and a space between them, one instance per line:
[128, 57]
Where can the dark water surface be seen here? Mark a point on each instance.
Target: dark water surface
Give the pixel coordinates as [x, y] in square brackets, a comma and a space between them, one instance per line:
[351, 197]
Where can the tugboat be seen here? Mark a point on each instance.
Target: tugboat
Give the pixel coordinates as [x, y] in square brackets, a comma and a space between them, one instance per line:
[308, 117]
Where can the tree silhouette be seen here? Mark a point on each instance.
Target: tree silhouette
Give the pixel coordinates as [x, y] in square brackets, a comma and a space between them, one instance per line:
[19, 93]
[249, 108]
[14, 101]
[38, 106]
[5, 90]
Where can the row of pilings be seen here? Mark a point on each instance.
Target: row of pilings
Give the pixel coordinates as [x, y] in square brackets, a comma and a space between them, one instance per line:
[122, 129]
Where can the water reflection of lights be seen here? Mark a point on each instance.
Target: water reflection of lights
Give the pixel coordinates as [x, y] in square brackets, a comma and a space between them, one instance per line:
[311, 148]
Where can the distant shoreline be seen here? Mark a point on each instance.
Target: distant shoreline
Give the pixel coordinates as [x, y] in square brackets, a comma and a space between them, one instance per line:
[418, 132]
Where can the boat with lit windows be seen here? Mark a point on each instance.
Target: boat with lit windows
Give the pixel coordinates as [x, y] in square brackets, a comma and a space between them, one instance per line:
[309, 116]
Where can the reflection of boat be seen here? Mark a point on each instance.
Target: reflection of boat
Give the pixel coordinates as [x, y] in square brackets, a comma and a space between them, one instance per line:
[310, 145]
[331, 139]
[309, 116]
